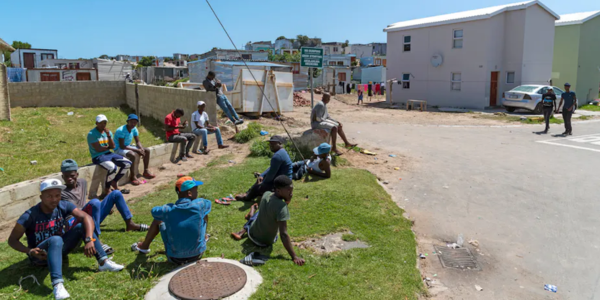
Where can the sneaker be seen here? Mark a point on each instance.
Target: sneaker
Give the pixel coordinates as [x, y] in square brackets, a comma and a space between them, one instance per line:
[60, 292]
[238, 122]
[111, 266]
[183, 158]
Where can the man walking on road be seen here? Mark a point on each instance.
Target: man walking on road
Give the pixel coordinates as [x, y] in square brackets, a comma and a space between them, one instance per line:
[570, 100]
[549, 104]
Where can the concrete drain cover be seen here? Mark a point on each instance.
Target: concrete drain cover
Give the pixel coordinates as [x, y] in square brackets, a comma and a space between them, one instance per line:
[460, 258]
[207, 280]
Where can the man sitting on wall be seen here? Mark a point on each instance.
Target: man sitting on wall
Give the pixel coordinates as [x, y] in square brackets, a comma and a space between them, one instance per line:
[201, 128]
[320, 119]
[172, 126]
[125, 134]
[212, 84]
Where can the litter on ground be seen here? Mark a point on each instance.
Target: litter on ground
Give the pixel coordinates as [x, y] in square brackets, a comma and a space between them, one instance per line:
[550, 288]
[478, 288]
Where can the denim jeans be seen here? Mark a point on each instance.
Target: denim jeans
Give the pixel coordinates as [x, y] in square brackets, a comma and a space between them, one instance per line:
[99, 210]
[299, 168]
[223, 102]
[203, 132]
[59, 246]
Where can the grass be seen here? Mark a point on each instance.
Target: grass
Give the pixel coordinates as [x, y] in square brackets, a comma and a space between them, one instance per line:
[590, 107]
[347, 237]
[221, 160]
[48, 135]
[260, 148]
[248, 134]
[385, 270]
[540, 120]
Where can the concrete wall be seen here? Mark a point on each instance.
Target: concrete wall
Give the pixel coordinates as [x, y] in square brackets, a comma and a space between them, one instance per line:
[588, 75]
[70, 94]
[360, 50]
[566, 55]
[374, 74]
[537, 61]
[4, 97]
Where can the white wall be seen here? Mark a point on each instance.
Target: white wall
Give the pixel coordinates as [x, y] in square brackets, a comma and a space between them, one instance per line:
[375, 74]
[360, 50]
[16, 58]
[34, 75]
[537, 59]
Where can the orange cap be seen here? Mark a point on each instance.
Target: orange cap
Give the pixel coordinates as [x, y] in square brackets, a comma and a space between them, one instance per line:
[181, 180]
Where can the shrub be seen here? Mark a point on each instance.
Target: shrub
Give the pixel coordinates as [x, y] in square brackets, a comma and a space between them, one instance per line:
[260, 148]
[249, 133]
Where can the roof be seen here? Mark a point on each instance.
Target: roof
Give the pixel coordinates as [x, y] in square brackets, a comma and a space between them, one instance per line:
[263, 42]
[250, 63]
[5, 46]
[332, 43]
[465, 16]
[577, 18]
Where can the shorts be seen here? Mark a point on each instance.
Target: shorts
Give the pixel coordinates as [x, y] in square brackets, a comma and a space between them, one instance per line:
[123, 152]
[327, 125]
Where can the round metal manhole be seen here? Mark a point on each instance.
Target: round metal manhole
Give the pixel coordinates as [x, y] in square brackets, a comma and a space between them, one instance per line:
[207, 280]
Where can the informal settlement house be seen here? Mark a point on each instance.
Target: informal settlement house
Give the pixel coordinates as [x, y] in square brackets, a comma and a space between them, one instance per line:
[468, 59]
[577, 54]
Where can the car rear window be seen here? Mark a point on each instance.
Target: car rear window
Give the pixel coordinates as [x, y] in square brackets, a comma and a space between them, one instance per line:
[526, 88]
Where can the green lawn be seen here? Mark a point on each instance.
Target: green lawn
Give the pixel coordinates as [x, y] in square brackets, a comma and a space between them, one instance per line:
[590, 107]
[386, 270]
[49, 135]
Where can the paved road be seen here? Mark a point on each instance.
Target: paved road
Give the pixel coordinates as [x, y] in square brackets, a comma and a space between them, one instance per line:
[530, 200]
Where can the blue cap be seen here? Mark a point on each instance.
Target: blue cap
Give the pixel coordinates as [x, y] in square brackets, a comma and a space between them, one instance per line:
[133, 117]
[68, 165]
[567, 84]
[190, 184]
[322, 149]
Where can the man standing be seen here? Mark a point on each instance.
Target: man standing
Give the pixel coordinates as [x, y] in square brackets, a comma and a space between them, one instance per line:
[281, 164]
[570, 100]
[549, 104]
[201, 127]
[48, 243]
[100, 142]
[125, 134]
[320, 119]
[212, 84]
[172, 126]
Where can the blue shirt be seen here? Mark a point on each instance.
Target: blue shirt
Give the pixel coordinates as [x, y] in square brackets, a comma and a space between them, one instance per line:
[281, 164]
[569, 98]
[126, 135]
[184, 229]
[96, 136]
[40, 226]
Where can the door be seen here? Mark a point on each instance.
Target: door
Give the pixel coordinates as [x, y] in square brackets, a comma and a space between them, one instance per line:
[83, 76]
[341, 76]
[494, 89]
[50, 76]
[29, 60]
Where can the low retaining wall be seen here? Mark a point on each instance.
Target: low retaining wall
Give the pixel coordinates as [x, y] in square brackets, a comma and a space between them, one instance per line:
[67, 94]
[4, 99]
[16, 198]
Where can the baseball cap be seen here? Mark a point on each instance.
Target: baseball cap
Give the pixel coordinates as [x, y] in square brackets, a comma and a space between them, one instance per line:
[100, 118]
[277, 138]
[68, 165]
[133, 117]
[49, 184]
[201, 103]
[322, 149]
[567, 84]
[181, 180]
[190, 184]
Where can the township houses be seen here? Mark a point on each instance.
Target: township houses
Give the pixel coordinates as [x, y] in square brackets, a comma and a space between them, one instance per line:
[31, 58]
[577, 54]
[468, 59]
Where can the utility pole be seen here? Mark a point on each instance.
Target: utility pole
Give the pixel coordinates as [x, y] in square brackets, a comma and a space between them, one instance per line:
[312, 91]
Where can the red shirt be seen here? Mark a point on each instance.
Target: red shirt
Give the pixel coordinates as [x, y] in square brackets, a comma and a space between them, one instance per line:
[170, 120]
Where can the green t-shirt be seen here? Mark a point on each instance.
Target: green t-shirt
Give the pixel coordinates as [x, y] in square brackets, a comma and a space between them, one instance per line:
[96, 136]
[270, 211]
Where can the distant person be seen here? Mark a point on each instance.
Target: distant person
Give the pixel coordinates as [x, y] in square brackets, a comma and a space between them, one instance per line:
[318, 165]
[212, 84]
[47, 241]
[370, 90]
[549, 105]
[320, 119]
[201, 128]
[281, 164]
[172, 126]
[272, 216]
[360, 97]
[100, 141]
[125, 135]
[128, 78]
[570, 100]
[182, 225]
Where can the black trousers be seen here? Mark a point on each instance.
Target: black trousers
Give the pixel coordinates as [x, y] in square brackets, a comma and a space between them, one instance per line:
[257, 190]
[547, 115]
[567, 117]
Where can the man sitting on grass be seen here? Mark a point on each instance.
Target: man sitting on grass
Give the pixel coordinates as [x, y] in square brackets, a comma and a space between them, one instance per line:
[182, 225]
[320, 119]
[272, 216]
[47, 242]
[124, 135]
[281, 164]
[318, 165]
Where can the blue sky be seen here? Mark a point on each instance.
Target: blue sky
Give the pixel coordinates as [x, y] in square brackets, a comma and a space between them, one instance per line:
[83, 28]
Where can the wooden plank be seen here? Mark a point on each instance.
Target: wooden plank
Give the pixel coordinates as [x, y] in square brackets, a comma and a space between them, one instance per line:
[254, 83]
[274, 79]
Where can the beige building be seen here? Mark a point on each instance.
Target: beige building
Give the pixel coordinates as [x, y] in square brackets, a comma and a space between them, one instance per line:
[468, 59]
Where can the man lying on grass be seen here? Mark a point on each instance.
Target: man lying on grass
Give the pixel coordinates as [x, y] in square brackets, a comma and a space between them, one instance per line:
[47, 242]
[318, 165]
[272, 216]
[182, 225]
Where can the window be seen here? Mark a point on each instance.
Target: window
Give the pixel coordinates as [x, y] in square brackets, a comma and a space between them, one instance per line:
[332, 63]
[246, 56]
[73, 65]
[340, 63]
[456, 81]
[510, 77]
[557, 90]
[47, 56]
[377, 62]
[335, 49]
[406, 81]
[342, 76]
[407, 43]
[457, 39]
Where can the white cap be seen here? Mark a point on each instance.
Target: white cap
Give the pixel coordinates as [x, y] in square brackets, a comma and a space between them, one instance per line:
[201, 103]
[100, 118]
[49, 184]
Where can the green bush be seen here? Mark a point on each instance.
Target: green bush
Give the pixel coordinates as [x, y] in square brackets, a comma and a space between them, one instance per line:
[260, 148]
[249, 133]
[176, 82]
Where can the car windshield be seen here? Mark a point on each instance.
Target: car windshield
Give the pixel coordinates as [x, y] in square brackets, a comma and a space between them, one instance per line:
[526, 89]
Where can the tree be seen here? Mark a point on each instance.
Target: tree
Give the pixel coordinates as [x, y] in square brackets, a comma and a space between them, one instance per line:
[103, 56]
[281, 38]
[302, 40]
[213, 49]
[346, 43]
[146, 61]
[16, 45]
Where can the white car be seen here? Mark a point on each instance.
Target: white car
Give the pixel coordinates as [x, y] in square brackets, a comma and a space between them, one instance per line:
[528, 97]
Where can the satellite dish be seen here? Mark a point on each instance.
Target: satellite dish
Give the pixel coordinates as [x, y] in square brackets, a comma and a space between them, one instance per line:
[436, 60]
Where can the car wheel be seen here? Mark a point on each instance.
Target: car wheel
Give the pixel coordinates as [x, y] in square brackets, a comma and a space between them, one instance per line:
[510, 109]
[538, 109]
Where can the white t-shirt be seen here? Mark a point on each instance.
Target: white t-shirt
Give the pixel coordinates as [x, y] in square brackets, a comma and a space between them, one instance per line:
[202, 119]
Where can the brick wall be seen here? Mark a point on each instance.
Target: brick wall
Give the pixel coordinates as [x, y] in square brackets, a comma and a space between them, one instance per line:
[4, 99]
[67, 94]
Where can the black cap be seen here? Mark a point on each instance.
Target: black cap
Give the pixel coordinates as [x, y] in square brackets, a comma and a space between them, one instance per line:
[277, 138]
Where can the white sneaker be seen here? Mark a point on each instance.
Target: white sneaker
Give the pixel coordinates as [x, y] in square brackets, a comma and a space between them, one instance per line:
[60, 292]
[111, 266]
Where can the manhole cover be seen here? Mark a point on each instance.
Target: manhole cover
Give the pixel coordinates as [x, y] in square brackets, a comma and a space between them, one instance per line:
[460, 258]
[207, 280]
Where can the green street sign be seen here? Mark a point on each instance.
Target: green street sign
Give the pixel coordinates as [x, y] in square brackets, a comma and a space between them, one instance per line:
[311, 57]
